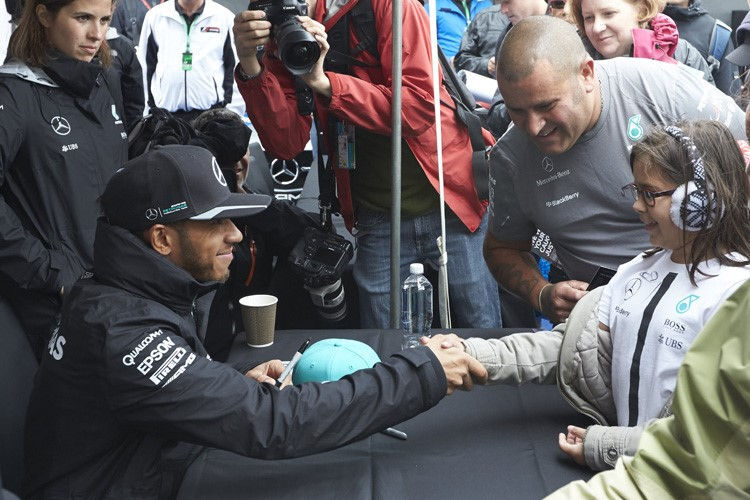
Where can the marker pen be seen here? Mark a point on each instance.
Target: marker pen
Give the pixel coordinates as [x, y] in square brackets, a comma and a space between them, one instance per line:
[292, 363]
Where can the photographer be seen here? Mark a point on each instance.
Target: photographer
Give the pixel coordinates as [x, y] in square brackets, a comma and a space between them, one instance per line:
[352, 99]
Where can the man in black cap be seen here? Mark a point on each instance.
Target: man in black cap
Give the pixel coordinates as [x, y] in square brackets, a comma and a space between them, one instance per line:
[127, 397]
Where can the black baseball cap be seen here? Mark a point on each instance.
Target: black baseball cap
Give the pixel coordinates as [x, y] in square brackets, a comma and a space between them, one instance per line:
[741, 55]
[172, 183]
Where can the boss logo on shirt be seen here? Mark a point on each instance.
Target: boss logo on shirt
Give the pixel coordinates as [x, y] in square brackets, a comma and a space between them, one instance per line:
[675, 326]
[210, 29]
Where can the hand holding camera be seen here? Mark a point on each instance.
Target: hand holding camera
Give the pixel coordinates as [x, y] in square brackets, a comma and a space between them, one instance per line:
[300, 41]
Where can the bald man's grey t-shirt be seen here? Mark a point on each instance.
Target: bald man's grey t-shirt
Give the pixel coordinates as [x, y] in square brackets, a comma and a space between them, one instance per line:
[576, 197]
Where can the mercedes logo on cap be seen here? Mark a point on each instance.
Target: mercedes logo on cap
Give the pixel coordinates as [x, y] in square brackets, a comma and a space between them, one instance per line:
[60, 125]
[217, 172]
[152, 213]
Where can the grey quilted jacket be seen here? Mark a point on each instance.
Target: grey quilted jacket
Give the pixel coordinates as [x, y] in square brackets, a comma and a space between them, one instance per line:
[576, 355]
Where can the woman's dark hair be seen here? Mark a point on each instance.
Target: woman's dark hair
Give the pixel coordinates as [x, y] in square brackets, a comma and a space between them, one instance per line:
[725, 175]
[29, 43]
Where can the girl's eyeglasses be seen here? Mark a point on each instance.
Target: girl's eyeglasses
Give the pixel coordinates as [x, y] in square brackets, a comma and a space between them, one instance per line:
[649, 197]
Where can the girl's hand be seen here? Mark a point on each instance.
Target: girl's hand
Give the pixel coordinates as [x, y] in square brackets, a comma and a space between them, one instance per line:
[572, 443]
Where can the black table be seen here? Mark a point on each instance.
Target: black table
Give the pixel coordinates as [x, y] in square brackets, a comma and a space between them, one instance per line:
[492, 442]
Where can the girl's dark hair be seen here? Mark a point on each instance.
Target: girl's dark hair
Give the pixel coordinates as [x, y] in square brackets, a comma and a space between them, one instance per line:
[29, 43]
[725, 175]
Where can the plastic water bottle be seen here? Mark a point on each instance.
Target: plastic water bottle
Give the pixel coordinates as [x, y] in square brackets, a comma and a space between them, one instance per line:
[416, 306]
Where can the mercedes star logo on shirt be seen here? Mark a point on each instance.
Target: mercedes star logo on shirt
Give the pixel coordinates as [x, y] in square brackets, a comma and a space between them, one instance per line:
[547, 164]
[60, 125]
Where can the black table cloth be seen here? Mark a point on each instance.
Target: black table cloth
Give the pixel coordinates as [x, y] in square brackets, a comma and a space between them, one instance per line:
[492, 442]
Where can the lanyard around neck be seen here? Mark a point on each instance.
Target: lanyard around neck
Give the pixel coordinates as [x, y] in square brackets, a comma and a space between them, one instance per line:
[466, 11]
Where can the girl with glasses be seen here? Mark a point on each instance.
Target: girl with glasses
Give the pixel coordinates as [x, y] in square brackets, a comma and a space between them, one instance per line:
[633, 28]
[616, 357]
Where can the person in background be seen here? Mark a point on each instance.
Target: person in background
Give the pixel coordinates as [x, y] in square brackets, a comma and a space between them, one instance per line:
[568, 155]
[634, 28]
[126, 77]
[128, 17]
[557, 9]
[497, 120]
[453, 17]
[359, 102]
[698, 27]
[5, 30]
[620, 350]
[260, 259]
[186, 51]
[741, 54]
[62, 138]
[480, 40]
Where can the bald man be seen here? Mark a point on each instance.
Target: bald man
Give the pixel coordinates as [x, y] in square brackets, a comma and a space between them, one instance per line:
[561, 166]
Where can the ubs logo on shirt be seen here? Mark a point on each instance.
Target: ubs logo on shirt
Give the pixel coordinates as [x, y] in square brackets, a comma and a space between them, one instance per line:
[210, 29]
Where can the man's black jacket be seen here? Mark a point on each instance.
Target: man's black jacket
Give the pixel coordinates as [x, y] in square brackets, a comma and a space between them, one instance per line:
[126, 394]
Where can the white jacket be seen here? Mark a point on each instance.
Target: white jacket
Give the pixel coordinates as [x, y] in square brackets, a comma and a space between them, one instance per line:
[163, 41]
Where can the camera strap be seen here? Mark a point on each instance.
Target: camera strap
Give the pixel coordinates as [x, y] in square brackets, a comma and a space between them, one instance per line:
[327, 201]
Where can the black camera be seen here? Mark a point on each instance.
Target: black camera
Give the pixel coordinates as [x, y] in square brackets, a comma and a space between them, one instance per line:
[298, 49]
[320, 258]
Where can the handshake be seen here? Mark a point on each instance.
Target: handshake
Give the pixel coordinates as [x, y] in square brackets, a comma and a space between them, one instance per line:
[461, 370]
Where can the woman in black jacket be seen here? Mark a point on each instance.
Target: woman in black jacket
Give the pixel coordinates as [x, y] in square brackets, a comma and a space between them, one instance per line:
[61, 138]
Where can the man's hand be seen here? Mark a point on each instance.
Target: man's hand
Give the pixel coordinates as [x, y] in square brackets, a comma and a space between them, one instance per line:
[559, 299]
[316, 79]
[268, 372]
[572, 444]
[491, 67]
[461, 370]
[251, 30]
[445, 341]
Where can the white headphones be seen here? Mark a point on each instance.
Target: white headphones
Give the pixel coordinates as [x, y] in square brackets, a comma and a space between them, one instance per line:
[694, 206]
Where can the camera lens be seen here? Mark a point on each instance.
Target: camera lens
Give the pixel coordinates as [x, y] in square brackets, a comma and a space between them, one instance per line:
[330, 301]
[298, 49]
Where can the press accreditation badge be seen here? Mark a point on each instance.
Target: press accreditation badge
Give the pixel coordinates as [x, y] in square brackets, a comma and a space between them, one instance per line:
[345, 140]
[187, 61]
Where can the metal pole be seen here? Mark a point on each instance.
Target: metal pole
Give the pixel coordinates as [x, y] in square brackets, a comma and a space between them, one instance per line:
[396, 169]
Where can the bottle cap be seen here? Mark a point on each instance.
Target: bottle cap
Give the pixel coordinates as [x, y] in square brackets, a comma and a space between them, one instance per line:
[416, 268]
